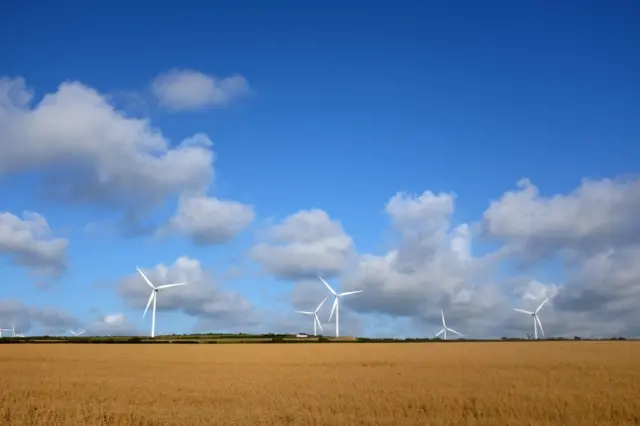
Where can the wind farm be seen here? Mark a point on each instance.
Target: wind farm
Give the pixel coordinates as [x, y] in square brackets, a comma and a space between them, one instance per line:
[209, 380]
[320, 214]
[81, 335]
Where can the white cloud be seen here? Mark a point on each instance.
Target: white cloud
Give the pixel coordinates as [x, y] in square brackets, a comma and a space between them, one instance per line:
[91, 152]
[29, 242]
[598, 215]
[115, 324]
[431, 268]
[537, 290]
[209, 220]
[595, 231]
[88, 152]
[306, 243]
[185, 89]
[114, 318]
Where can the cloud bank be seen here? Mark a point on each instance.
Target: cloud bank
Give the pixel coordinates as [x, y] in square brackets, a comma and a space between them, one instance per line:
[86, 152]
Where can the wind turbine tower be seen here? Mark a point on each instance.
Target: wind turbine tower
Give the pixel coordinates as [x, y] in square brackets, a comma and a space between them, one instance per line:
[445, 328]
[316, 321]
[536, 319]
[336, 303]
[153, 298]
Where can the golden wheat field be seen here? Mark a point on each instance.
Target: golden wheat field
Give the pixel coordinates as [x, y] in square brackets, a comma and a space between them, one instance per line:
[530, 383]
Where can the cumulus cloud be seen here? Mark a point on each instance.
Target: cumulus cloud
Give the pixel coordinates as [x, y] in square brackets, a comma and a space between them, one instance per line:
[91, 152]
[185, 89]
[591, 232]
[216, 308]
[28, 242]
[306, 243]
[35, 320]
[209, 220]
[86, 151]
[598, 215]
[594, 233]
[431, 266]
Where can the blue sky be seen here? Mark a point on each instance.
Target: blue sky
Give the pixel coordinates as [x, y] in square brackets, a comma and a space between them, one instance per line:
[347, 105]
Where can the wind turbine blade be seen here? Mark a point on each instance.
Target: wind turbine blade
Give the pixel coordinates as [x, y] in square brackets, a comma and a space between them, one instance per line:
[320, 305]
[453, 331]
[541, 305]
[305, 312]
[444, 324]
[153, 293]
[540, 325]
[170, 285]
[523, 311]
[145, 278]
[319, 324]
[328, 286]
[440, 332]
[333, 309]
[346, 293]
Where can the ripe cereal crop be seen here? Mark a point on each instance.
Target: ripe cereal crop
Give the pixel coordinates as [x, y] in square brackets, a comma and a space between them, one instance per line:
[334, 384]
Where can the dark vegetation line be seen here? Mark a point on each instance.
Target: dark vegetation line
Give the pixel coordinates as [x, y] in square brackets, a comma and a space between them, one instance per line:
[264, 339]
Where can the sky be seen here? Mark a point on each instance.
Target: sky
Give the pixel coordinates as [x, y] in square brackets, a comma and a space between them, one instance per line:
[472, 158]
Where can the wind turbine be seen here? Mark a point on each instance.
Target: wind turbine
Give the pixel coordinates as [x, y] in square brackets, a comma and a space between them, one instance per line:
[153, 298]
[445, 328]
[536, 319]
[77, 333]
[4, 329]
[316, 321]
[336, 303]
[13, 329]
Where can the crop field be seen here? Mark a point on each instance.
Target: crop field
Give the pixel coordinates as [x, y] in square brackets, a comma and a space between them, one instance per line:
[334, 384]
